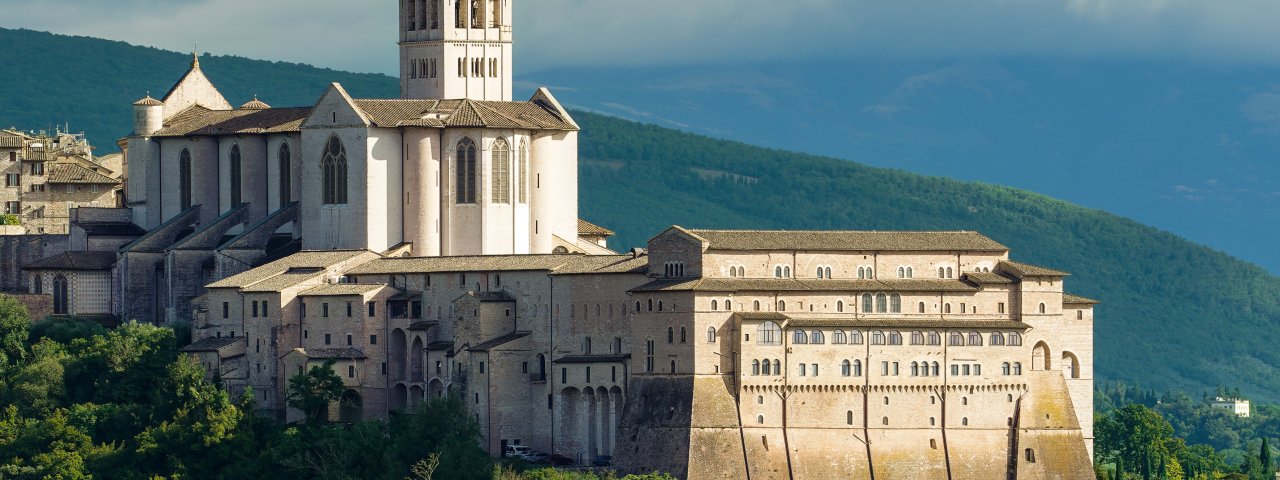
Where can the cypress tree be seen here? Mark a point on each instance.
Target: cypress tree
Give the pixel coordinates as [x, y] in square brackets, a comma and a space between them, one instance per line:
[1146, 465]
[1162, 473]
[1119, 468]
[1264, 459]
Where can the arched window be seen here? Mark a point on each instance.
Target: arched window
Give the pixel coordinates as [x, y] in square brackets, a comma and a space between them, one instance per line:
[648, 351]
[756, 305]
[760, 419]
[955, 339]
[786, 272]
[465, 171]
[334, 167]
[866, 303]
[895, 303]
[711, 334]
[671, 335]
[61, 300]
[882, 303]
[975, 339]
[855, 338]
[895, 338]
[777, 271]
[1030, 455]
[523, 180]
[1004, 368]
[857, 368]
[742, 271]
[848, 417]
[1042, 308]
[184, 178]
[997, 339]
[902, 272]
[1017, 368]
[910, 273]
[935, 339]
[817, 338]
[714, 305]
[877, 338]
[477, 13]
[799, 337]
[839, 338]
[921, 307]
[917, 338]
[840, 306]
[946, 308]
[284, 159]
[884, 421]
[684, 335]
[942, 272]
[769, 333]
[820, 273]
[768, 368]
[782, 306]
[501, 172]
[728, 305]
[935, 369]
[950, 273]
[828, 271]
[495, 8]
[37, 284]
[964, 421]
[1015, 339]
[915, 369]
[234, 177]
[846, 368]
[862, 273]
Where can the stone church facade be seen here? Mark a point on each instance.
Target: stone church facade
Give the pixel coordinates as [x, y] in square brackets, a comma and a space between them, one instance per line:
[430, 245]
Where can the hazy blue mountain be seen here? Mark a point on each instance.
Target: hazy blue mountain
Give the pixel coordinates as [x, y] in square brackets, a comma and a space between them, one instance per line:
[1194, 149]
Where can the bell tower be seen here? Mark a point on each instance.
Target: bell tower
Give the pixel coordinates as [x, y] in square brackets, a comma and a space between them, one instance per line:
[452, 49]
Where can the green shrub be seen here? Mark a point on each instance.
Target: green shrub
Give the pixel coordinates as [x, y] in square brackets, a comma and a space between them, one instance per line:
[7, 219]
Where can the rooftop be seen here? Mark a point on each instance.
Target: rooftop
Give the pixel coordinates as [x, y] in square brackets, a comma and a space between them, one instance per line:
[82, 261]
[799, 285]
[860, 241]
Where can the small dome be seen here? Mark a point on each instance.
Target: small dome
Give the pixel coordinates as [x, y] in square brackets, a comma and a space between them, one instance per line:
[255, 104]
[148, 102]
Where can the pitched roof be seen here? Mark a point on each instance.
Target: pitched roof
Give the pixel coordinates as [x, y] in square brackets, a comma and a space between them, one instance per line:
[147, 101]
[1069, 299]
[334, 353]
[799, 285]
[586, 228]
[500, 341]
[72, 173]
[848, 241]
[255, 104]
[11, 139]
[1028, 270]
[493, 297]
[579, 359]
[315, 260]
[987, 278]
[211, 344]
[341, 289]
[108, 229]
[197, 120]
[557, 264]
[282, 281]
[463, 113]
[81, 261]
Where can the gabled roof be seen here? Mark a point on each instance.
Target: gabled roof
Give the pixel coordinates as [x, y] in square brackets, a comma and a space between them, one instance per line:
[586, 228]
[342, 289]
[71, 173]
[498, 342]
[858, 241]
[1069, 299]
[200, 121]
[334, 353]
[581, 359]
[76, 261]
[987, 278]
[388, 113]
[211, 344]
[112, 229]
[1028, 270]
[799, 285]
[492, 297]
[312, 262]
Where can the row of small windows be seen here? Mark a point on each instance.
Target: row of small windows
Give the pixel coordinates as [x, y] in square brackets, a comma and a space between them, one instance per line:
[425, 14]
[673, 269]
[770, 333]
[423, 68]
[879, 303]
[864, 273]
[480, 67]
[853, 368]
[467, 163]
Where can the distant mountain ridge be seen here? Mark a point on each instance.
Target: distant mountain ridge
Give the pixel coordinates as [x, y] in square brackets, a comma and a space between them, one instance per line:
[1175, 314]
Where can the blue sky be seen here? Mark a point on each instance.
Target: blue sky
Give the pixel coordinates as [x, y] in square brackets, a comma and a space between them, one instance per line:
[356, 36]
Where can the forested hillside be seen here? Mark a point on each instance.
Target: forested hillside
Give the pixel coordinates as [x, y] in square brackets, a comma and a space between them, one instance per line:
[1175, 314]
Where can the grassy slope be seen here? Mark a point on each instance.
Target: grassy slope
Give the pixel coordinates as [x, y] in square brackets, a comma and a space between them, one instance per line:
[1176, 314]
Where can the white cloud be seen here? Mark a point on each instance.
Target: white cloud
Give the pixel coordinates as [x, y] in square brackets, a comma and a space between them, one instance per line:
[555, 33]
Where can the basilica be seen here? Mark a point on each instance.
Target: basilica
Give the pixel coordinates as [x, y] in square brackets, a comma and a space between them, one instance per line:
[431, 245]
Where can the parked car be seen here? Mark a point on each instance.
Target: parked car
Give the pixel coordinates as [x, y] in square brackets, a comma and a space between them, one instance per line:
[602, 461]
[537, 457]
[560, 461]
[516, 451]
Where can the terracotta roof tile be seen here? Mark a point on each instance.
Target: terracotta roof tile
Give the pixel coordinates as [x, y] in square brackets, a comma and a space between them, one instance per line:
[211, 344]
[84, 261]
[1069, 299]
[1028, 270]
[591, 229]
[313, 260]
[342, 289]
[868, 241]
[197, 121]
[498, 342]
[72, 173]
